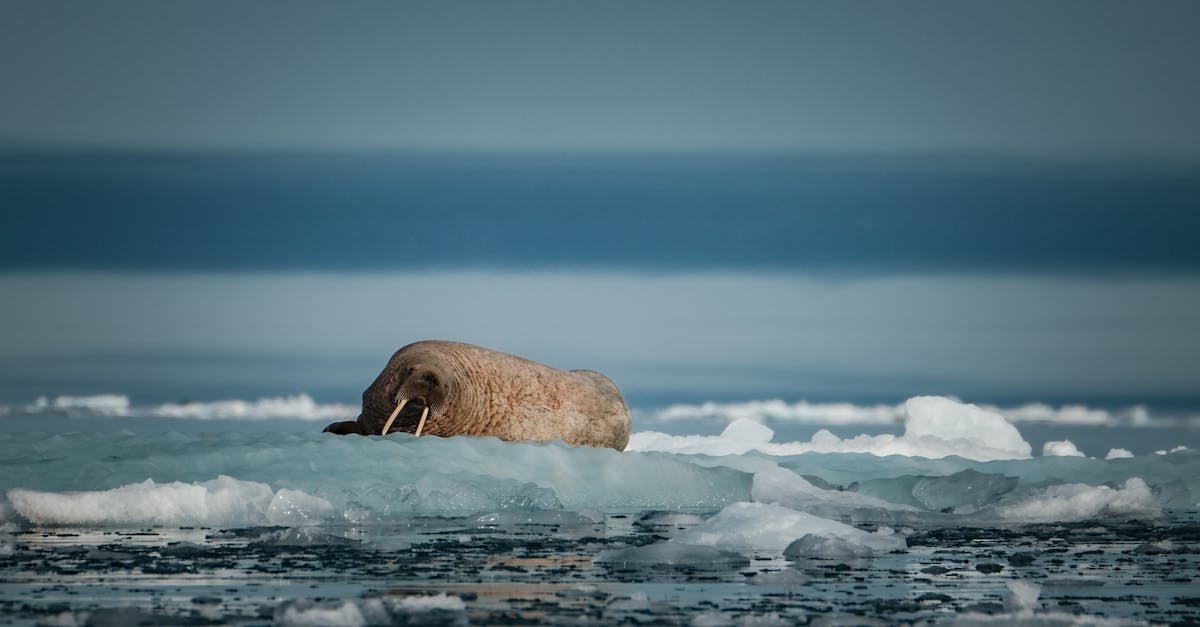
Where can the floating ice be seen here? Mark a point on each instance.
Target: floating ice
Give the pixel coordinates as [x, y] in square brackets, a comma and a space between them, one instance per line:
[969, 488]
[784, 487]
[340, 614]
[386, 611]
[298, 406]
[803, 412]
[775, 409]
[934, 427]
[101, 405]
[825, 547]
[1118, 453]
[671, 554]
[768, 527]
[1061, 448]
[1074, 502]
[224, 501]
[1022, 596]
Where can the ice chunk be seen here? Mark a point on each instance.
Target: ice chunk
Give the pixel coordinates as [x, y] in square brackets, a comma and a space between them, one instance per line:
[100, 405]
[670, 554]
[1022, 596]
[738, 437]
[427, 603]
[935, 427]
[980, 434]
[743, 430]
[224, 501]
[298, 406]
[784, 487]
[1074, 502]
[969, 488]
[804, 412]
[1118, 453]
[341, 614]
[1061, 448]
[768, 527]
[360, 613]
[826, 547]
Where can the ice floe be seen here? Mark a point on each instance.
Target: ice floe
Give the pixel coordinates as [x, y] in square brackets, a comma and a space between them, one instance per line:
[1061, 448]
[1073, 502]
[222, 501]
[934, 427]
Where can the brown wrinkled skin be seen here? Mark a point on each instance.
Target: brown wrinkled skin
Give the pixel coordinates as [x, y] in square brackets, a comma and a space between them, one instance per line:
[471, 390]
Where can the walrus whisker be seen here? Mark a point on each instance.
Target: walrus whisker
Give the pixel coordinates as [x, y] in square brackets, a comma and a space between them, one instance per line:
[395, 412]
[421, 425]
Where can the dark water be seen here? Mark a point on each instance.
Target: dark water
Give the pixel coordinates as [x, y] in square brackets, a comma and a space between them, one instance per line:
[542, 570]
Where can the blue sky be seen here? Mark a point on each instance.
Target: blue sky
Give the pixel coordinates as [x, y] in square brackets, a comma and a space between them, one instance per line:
[705, 200]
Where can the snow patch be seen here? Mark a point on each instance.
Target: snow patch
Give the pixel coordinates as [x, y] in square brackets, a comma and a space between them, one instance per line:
[1118, 453]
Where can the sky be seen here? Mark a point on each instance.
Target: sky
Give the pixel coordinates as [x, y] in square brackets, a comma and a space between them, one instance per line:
[708, 201]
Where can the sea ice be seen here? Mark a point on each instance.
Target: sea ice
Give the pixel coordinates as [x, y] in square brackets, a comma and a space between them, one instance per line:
[935, 427]
[968, 488]
[827, 547]
[1022, 596]
[224, 501]
[1118, 453]
[784, 487]
[1072, 502]
[1061, 448]
[341, 614]
[768, 527]
[666, 554]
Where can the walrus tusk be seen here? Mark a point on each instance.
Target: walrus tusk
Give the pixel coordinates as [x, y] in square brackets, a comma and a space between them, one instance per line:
[421, 425]
[392, 418]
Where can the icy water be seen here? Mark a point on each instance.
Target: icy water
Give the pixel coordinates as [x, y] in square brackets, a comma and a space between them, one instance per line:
[956, 519]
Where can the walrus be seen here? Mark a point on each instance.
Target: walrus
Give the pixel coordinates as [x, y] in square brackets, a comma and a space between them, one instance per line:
[450, 388]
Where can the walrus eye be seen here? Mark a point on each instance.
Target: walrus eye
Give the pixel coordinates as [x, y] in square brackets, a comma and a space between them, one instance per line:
[431, 379]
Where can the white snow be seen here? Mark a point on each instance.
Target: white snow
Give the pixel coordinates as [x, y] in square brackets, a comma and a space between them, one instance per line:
[1072, 502]
[768, 527]
[224, 501]
[935, 427]
[1118, 453]
[1061, 448]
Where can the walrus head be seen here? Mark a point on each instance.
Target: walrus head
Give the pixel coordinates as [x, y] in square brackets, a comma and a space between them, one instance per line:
[415, 384]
